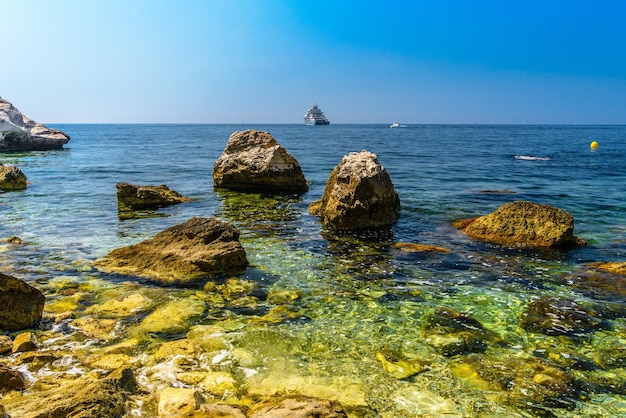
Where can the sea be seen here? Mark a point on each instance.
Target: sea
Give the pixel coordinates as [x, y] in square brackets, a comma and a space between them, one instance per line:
[343, 317]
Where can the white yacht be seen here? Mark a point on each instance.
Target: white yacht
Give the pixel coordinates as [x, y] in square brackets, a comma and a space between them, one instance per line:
[315, 116]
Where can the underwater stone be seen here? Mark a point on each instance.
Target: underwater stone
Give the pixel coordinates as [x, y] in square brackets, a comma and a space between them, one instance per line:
[397, 366]
[178, 401]
[297, 406]
[101, 329]
[183, 253]
[526, 224]
[254, 161]
[182, 347]
[174, 317]
[119, 308]
[553, 316]
[409, 247]
[611, 267]
[359, 195]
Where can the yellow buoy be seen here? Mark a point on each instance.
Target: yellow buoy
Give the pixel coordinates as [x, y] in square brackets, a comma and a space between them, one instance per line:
[594, 145]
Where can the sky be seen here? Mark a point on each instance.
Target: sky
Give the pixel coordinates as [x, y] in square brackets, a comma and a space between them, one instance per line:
[267, 61]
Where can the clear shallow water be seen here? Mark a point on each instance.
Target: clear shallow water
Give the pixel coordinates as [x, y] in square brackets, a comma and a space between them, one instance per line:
[348, 298]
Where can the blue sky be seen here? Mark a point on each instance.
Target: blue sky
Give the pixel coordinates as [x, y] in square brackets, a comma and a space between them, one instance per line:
[266, 61]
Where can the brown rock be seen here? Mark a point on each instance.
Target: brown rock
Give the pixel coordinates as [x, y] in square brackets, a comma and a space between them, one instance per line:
[298, 407]
[193, 249]
[409, 247]
[526, 224]
[11, 379]
[358, 195]
[11, 178]
[147, 197]
[254, 161]
[21, 305]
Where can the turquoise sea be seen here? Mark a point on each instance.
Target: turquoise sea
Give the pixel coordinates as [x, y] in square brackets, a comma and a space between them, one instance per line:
[335, 316]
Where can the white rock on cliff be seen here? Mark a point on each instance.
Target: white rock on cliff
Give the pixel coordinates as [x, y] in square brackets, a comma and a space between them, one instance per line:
[19, 133]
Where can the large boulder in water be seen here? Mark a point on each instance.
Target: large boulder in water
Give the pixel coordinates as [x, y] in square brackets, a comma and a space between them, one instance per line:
[19, 133]
[525, 224]
[147, 197]
[11, 178]
[182, 253]
[254, 161]
[359, 195]
[21, 305]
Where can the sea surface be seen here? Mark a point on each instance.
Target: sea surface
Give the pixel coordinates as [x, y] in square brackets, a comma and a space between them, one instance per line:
[331, 316]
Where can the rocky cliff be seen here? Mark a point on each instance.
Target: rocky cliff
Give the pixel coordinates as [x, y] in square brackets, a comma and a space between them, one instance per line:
[19, 133]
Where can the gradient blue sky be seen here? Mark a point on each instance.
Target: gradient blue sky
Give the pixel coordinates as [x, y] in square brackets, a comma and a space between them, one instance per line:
[266, 61]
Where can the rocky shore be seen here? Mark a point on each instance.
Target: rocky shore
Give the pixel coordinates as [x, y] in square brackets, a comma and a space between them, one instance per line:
[158, 331]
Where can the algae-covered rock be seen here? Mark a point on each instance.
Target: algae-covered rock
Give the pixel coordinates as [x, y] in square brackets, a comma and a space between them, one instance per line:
[527, 381]
[121, 307]
[133, 197]
[11, 379]
[618, 267]
[83, 398]
[178, 401]
[359, 195]
[526, 224]
[410, 247]
[12, 178]
[185, 252]
[297, 406]
[174, 317]
[21, 305]
[182, 347]
[554, 316]
[26, 341]
[254, 161]
[398, 366]
[102, 329]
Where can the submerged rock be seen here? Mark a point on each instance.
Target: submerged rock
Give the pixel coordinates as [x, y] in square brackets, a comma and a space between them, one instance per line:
[359, 195]
[611, 267]
[185, 252]
[19, 133]
[11, 178]
[297, 406]
[130, 196]
[527, 224]
[396, 365]
[21, 305]
[526, 381]
[178, 401]
[553, 316]
[254, 161]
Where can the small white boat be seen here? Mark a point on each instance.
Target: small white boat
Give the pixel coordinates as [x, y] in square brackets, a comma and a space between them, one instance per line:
[397, 125]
